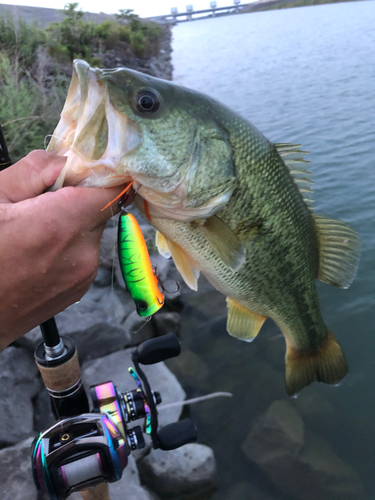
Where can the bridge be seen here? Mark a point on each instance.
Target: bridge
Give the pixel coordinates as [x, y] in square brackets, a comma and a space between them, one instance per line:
[213, 10]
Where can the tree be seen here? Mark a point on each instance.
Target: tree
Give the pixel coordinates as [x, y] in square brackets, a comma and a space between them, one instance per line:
[130, 18]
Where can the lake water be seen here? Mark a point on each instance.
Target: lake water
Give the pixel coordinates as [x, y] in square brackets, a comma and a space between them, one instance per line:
[305, 76]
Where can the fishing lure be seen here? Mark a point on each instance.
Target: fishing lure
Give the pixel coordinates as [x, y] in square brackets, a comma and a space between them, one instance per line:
[139, 276]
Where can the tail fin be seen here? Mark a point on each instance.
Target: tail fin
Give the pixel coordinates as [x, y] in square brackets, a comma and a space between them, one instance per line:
[327, 364]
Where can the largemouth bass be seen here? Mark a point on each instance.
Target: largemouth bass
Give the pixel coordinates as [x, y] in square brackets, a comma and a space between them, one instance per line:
[225, 202]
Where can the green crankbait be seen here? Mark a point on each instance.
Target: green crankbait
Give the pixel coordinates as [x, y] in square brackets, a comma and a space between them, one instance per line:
[136, 268]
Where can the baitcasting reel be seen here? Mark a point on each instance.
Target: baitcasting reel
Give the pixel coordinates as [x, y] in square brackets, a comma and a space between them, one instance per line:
[84, 450]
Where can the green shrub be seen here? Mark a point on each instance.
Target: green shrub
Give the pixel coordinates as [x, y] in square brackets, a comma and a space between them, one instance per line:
[105, 29]
[27, 112]
[124, 34]
[20, 39]
[138, 43]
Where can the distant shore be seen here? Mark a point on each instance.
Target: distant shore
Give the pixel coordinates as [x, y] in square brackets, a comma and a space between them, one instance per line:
[287, 4]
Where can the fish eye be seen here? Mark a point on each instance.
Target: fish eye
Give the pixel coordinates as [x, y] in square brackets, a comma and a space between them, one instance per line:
[142, 305]
[147, 102]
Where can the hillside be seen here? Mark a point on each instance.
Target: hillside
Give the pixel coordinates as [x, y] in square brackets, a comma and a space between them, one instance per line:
[43, 16]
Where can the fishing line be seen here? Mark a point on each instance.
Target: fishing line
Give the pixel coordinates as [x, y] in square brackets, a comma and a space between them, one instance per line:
[51, 136]
[142, 321]
[196, 400]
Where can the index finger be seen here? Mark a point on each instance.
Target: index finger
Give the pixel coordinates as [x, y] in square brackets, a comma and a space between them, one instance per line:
[30, 176]
[84, 204]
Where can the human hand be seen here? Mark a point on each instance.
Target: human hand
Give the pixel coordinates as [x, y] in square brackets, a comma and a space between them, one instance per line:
[49, 242]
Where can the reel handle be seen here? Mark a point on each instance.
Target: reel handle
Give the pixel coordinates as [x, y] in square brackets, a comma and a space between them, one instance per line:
[174, 435]
[159, 349]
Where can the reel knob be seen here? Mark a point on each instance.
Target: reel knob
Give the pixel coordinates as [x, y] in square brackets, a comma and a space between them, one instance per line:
[174, 435]
[159, 349]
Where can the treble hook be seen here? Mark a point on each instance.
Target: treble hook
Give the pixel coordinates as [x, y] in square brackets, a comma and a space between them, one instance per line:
[156, 274]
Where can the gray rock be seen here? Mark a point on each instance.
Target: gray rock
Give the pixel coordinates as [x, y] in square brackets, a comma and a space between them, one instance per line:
[188, 472]
[299, 463]
[16, 411]
[116, 302]
[103, 277]
[18, 385]
[153, 495]
[17, 364]
[246, 489]
[279, 432]
[115, 367]
[167, 322]
[31, 339]
[138, 329]
[94, 331]
[16, 482]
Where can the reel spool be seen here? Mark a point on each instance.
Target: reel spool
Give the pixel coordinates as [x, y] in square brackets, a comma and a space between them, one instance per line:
[84, 450]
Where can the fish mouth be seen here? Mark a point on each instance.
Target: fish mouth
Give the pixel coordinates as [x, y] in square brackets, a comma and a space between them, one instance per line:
[92, 134]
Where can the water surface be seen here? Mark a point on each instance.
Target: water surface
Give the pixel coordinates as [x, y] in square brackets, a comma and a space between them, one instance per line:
[305, 76]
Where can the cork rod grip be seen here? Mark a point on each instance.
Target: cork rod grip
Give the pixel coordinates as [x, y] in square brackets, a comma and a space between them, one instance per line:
[99, 492]
[60, 378]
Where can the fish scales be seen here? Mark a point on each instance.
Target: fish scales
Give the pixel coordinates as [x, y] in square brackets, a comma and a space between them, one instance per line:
[276, 261]
[225, 201]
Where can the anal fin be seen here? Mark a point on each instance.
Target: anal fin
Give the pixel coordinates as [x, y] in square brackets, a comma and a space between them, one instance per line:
[225, 243]
[185, 265]
[243, 323]
[162, 245]
[339, 249]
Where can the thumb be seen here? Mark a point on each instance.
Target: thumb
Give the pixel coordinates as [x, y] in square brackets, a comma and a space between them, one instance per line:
[30, 176]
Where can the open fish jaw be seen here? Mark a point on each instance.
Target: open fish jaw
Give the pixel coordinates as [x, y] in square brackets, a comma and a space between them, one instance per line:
[92, 134]
[171, 159]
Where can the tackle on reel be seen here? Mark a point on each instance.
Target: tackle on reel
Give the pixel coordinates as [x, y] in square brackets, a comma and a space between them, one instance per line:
[84, 450]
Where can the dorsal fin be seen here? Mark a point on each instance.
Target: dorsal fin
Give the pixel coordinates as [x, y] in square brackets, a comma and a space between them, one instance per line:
[293, 158]
[339, 249]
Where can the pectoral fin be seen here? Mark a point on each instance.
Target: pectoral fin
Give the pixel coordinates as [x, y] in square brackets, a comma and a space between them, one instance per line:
[243, 323]
[339, 249]
[162, 245]
[185, 265]
[226, 244]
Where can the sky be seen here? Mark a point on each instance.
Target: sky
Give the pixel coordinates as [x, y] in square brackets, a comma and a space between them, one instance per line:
[144, 8]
